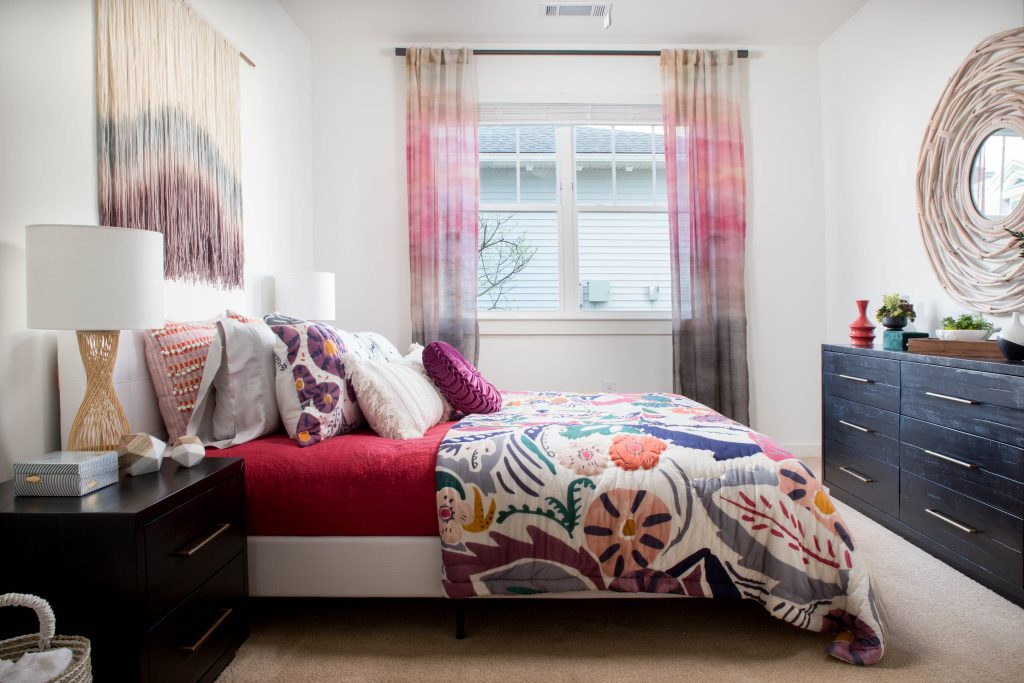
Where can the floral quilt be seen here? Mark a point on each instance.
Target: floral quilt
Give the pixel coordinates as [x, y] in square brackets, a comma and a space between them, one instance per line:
[647, 493]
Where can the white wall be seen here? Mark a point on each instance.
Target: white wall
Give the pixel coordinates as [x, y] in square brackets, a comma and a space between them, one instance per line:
[882, 73]
[361, 221]
[48, 174]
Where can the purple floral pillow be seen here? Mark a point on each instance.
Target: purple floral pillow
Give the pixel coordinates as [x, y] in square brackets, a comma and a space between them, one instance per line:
[314, 396]
[458, 381]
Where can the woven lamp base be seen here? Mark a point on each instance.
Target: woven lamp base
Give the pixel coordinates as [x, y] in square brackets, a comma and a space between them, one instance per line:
[101, 419]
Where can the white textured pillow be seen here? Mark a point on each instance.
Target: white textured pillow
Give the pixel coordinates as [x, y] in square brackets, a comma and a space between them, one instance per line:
[398, 400]
[237, 399]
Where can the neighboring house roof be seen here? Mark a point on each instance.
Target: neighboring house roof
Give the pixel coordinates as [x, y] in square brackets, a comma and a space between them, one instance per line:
[589, 140]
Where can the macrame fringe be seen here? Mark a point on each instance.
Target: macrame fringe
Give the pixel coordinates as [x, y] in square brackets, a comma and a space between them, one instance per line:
[167, 100]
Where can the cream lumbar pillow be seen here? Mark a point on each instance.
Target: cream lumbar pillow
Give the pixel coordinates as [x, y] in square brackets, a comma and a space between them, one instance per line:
[397, 399]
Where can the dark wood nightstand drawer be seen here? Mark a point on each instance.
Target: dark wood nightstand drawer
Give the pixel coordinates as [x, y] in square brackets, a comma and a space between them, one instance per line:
[196, 634]
[188, 544]
[984, 535]
[860, 475]
[982, 403]
[871, 430]
[863, 379]
[986, 470]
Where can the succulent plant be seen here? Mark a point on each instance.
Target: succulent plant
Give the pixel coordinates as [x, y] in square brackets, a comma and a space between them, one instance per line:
[895, 306]
[966, 321]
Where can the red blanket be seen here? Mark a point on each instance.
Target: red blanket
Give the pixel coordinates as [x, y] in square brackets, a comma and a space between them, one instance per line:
[353, 485]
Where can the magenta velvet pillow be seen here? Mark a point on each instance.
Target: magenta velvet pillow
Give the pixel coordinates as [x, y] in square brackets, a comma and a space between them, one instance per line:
[458, 381]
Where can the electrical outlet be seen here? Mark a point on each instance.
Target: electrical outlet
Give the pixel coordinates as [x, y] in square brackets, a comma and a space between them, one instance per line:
[608, 385]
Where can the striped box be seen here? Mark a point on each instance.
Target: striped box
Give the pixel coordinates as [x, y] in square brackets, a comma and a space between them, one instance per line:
[65, 473]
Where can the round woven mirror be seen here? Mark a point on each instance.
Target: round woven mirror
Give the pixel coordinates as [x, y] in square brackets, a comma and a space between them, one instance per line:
[971, 163]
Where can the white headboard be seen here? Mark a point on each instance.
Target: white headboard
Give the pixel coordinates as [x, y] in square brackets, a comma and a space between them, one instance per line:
[131, 381]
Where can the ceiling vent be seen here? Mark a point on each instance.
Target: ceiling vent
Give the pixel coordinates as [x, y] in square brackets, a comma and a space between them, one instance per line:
[575, 9]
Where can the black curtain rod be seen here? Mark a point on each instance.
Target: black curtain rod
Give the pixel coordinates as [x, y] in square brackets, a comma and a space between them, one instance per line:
[742, 54]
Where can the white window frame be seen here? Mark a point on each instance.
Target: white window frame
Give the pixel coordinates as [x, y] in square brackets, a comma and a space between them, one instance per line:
[568, 248]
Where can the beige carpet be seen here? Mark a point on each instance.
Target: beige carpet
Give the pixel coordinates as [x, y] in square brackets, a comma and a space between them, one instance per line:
[941, 627]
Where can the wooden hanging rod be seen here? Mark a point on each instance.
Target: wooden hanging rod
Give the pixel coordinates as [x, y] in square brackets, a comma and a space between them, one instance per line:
[245, 58]
[742, 54]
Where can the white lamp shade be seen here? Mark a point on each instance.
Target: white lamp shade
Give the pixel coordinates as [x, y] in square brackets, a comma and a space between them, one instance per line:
[309, 296]
[86, 277]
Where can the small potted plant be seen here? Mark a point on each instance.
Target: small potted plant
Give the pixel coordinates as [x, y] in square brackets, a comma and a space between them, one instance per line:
[895, 311]
[966, 327]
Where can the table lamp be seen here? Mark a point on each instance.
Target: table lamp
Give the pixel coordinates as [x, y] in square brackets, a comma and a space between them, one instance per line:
[309, 296]
[98, 281]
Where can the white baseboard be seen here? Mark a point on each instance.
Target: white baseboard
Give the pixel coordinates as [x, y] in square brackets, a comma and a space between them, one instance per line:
[804, 450]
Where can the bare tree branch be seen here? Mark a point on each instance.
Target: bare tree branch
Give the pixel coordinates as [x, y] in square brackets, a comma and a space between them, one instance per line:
[503, 255]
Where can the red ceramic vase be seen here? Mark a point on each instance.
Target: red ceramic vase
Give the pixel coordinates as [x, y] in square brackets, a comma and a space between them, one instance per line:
[862, 331]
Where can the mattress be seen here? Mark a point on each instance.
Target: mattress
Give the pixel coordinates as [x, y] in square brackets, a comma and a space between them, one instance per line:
[359, 484]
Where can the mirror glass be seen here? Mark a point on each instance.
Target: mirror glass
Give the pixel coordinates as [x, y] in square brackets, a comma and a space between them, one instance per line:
[997, 174]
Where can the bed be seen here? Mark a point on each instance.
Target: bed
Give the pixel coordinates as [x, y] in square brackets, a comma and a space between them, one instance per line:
[591, 495]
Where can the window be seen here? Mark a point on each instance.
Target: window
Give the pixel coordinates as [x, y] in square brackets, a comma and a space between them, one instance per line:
[573, 218]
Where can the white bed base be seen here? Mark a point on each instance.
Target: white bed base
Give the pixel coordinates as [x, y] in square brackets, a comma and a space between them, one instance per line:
[345, 566]
[363, 567]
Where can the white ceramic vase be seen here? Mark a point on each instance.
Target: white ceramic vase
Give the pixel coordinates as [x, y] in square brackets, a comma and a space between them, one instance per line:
[1011, 340]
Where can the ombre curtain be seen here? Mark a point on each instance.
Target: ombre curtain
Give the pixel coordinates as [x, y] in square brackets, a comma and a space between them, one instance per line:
[444, 195]
[707, 225]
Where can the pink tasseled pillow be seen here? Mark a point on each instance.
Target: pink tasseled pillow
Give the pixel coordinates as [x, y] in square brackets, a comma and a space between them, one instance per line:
[458, 381]
[176, 355]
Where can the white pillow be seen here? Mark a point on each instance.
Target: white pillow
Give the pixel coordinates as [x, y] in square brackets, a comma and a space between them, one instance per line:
[237, 399]
[397, 399]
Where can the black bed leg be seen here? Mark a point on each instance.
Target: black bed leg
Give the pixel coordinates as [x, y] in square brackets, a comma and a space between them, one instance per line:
[460, 620]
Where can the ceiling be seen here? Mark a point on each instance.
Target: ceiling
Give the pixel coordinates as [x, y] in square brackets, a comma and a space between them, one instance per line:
[669, 22]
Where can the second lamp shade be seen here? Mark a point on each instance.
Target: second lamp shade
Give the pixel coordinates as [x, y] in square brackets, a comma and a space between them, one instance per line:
[309, 296]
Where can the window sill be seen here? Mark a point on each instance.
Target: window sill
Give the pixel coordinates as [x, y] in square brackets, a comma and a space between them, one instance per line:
[560, 324]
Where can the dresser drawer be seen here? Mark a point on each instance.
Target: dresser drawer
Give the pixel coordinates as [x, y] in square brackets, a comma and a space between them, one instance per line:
[863, 379]
[871, 430]
[982, 403]
[984, 535]
[860, 475]
[188, 544]
[190, 639]
[986, 470]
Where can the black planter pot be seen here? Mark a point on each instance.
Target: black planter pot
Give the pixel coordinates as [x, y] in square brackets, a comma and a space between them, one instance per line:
[891, 323]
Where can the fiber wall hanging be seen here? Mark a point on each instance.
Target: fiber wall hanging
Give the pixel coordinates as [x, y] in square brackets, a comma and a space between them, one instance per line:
[169, 145]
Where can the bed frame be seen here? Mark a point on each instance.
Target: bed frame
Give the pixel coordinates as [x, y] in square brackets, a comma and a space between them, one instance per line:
[288, 566]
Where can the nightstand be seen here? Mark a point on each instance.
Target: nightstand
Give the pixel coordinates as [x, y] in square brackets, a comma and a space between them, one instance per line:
[152, 570]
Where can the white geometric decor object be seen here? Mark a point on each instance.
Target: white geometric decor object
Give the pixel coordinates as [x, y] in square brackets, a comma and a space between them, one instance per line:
[140, 453]
[188, 450]
[968, 239]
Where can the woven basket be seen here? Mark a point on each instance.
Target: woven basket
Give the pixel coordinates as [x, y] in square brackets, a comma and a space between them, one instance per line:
[80, 669]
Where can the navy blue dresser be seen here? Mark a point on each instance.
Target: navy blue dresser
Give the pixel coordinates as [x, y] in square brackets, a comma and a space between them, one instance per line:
[932, 448]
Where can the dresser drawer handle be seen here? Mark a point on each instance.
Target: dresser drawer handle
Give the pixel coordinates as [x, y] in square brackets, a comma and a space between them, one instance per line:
[968, 465]
[857, 427]
[203, 543]
[950, 521]
[955, 399]
[856, 475]
[856, 379]
[221, 618]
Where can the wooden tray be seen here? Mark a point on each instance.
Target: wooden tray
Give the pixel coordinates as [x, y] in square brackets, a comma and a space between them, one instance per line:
[987, 350]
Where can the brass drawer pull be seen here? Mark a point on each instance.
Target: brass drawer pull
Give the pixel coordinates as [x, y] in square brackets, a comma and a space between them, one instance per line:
[856, 379]
[950, 521]
[968, 465]
[856, 475]
[203, 543]
[224, 614]
[857, 427]
[951, 398]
